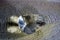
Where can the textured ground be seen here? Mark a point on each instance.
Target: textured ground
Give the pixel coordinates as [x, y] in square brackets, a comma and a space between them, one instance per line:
[46, 8]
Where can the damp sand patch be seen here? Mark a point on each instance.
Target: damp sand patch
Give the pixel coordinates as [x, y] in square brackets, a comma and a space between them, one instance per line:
[41, 32]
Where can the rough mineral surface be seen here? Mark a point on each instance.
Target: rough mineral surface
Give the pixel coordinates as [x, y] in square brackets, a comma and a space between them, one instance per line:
[16, 7]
